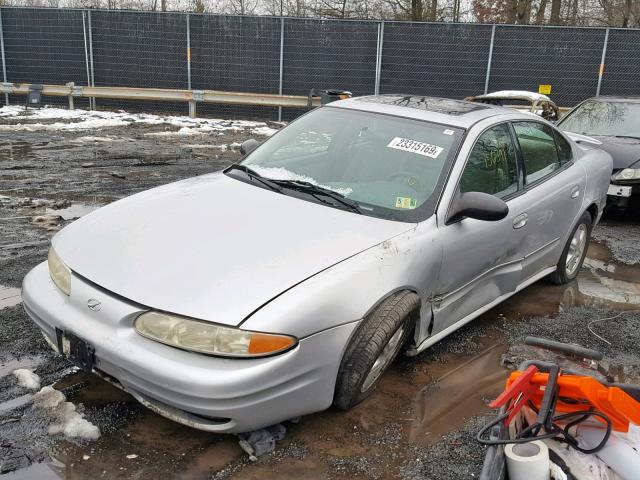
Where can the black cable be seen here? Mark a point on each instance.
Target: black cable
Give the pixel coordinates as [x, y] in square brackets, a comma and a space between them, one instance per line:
[530, 433]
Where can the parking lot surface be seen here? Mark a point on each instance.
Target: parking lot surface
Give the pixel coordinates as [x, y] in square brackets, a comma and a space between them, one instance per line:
[57, 165]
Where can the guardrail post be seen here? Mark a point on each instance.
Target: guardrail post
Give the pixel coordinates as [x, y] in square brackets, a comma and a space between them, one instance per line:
[92, 100]
[376, 88]
[196, 96]
[71, 85]
[4, 64]
[281, 64]
[188, 55]
[602, 60]
[486, 80]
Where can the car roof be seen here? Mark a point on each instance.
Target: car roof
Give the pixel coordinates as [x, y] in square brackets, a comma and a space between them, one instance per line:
[457, 113]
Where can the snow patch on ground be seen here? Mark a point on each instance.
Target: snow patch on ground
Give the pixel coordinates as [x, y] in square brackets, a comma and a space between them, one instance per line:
[27, 379]
[92, 139]
[65, 417]
[264, 131]
[9, 296]
[70, 120]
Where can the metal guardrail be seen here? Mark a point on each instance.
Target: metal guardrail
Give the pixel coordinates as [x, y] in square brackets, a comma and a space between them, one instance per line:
[71, 91]
[193, 97]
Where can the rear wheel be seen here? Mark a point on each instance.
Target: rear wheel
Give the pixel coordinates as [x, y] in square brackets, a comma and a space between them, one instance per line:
[374, 346]
[574, 252]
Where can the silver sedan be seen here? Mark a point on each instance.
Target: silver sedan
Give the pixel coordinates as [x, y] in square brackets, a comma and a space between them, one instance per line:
[289, 282]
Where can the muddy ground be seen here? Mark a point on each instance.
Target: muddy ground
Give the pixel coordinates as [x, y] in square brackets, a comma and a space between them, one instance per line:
[420, 423]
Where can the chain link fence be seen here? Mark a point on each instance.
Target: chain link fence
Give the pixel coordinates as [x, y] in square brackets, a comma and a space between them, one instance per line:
[444, 60]
[568, 59]
[292, 56]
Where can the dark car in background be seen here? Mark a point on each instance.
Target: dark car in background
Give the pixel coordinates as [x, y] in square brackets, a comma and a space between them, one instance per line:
[615, 122]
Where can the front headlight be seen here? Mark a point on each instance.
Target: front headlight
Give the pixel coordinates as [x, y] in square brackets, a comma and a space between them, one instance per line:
[60, 273]
[628, 174]
[209, 338]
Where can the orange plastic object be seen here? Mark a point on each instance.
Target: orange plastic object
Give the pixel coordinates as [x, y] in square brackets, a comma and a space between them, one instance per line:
[517, 393]
[579, 393]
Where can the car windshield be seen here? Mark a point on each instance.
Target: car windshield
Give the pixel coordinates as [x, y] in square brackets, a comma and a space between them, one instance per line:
[386, 166]
[604, 118]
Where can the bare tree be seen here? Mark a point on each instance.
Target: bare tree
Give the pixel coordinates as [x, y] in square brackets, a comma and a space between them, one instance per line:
[555, 12]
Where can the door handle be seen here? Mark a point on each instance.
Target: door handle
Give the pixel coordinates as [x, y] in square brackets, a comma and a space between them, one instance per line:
[520, 221]
[575, 191]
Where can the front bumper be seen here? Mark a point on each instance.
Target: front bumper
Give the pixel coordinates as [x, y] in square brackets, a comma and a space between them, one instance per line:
[210, 393]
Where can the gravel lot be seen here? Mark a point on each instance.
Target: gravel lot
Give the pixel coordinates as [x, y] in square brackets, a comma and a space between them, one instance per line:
[57, 165]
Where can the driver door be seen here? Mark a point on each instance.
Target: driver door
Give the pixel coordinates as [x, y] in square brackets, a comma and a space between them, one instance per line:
[482, 260]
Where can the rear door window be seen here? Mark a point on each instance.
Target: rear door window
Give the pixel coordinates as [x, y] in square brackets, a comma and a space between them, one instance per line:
[538, 148]
[492, 165]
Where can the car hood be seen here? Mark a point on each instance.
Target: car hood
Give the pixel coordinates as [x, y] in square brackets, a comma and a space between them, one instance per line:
[213, 247]
[625, 151]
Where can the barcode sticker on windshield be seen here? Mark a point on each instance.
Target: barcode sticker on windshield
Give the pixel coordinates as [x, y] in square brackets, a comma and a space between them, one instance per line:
[414, 146]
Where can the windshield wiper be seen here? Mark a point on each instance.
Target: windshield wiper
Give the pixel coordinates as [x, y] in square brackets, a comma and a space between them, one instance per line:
[313, 189]
[254, 176]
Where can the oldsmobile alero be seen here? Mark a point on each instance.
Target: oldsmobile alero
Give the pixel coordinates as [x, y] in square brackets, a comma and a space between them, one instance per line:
[291, 280]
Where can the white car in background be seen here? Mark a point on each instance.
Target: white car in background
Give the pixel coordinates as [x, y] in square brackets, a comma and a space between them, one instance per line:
[522, 101]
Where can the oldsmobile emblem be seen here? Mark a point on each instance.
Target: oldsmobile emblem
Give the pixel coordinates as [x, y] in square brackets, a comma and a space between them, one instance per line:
[94, 304]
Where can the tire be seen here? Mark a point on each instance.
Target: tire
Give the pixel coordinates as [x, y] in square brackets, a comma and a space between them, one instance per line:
[380, 329]
[563, 274]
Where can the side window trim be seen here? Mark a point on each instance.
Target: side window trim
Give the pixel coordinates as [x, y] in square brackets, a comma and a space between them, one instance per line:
[519, 159]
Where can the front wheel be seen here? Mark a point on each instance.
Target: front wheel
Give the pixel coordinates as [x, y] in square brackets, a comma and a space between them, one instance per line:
[574, 252]
[374, 346]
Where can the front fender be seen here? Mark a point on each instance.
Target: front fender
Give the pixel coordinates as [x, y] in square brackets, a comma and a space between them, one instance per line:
[348, 291]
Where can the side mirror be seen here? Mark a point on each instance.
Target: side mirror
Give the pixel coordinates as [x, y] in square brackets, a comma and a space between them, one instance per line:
[248, 145]
[480, 206]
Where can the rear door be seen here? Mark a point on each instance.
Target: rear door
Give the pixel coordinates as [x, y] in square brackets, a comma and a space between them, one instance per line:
[554, 189]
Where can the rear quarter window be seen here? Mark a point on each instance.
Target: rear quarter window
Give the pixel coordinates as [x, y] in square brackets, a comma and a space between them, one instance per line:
[565, 155]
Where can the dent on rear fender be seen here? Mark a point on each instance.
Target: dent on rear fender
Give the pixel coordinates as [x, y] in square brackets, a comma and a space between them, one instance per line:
[349, 290]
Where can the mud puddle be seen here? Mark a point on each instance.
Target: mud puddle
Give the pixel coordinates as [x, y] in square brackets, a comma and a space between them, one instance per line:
[458, 394]
[40, 471]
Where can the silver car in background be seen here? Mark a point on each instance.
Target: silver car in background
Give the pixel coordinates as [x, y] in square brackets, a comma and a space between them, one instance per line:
[289, 282]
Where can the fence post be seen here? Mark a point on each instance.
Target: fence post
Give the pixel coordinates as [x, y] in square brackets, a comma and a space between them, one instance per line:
[376, 88]
[486, 80]
[92, 100]
[188, 53]
[281, 64]
[4, 64]
[86, 50]
[602, 60]
[192, 102]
